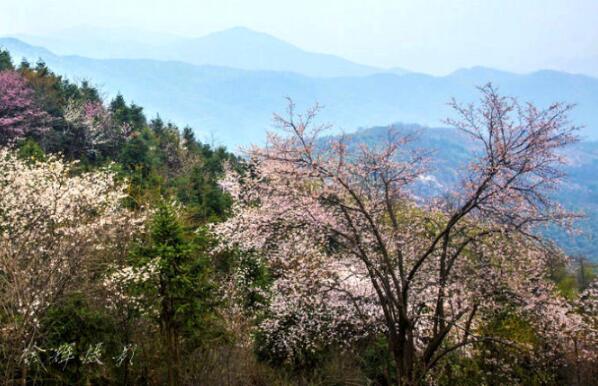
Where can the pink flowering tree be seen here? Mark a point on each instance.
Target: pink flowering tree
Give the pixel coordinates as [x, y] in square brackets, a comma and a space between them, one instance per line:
[19, 113]
[352, 247]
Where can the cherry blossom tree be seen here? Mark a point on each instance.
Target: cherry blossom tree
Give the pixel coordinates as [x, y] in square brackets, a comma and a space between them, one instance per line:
[91, 130]
[341, 227]
[56, 228]
[19, 113]
[586, 339]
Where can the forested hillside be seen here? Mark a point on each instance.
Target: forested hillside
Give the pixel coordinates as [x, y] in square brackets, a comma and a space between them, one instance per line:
[133, 254]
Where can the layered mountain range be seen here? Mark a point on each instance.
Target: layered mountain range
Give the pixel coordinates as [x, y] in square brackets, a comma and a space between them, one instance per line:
[226, 85]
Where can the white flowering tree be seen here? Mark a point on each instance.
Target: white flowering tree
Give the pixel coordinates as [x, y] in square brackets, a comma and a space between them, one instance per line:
[91, 130]
[352, 248]
[55, 226]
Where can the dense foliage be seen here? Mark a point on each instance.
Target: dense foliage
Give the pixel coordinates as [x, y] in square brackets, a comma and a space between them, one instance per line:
[132, 253]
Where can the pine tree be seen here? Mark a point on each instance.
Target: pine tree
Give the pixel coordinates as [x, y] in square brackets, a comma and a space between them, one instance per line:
[185, 290]
[157, 125]
[5, 61]
[189, 140]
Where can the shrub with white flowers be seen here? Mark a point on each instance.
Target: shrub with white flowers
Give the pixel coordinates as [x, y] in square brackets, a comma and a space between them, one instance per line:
[53, 224]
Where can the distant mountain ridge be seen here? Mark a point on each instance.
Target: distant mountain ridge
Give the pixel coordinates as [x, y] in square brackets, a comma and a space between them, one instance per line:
[237, 47]
[236, 105]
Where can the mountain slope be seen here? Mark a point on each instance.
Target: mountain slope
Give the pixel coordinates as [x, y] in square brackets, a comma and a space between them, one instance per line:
[237, 47]
[236, 105]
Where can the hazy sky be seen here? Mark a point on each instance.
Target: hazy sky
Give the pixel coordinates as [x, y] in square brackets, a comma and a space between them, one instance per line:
[435, 36]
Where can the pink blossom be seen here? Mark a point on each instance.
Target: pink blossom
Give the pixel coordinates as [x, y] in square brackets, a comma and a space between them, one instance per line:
[19, 113]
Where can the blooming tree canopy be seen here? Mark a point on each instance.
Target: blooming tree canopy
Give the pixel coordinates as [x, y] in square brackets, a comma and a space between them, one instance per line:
[353, 248]
[91, 130]
[52, 225]
[19, 113]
